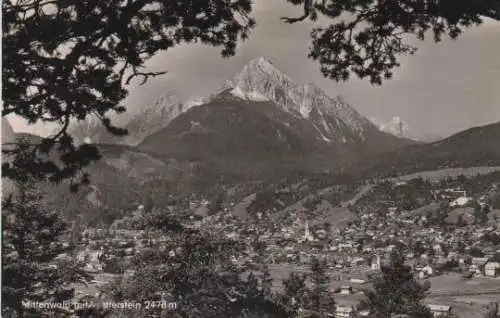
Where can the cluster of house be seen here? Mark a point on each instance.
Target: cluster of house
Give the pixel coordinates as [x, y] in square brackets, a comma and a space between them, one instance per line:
[342, 311]
[348, 300]
[458, 197]
[101, 245]
[352, 247]
[351, 311]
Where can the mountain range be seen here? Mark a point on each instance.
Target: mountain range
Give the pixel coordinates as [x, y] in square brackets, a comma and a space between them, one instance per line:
[261, 126]
[152, 117]
[261, 120]
[332, 120]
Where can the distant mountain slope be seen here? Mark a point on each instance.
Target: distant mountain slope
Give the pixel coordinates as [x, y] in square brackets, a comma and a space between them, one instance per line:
[157, 116]
[478, 146]
[235, 136]
[8, 134]
[260, 121]
[149, 119]
[396, 126]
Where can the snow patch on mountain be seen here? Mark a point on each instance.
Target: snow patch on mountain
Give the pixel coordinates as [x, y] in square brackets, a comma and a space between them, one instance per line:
[238, 93]
[328, 140]
[88, 130]
[193, 102]
[158, 115]
[147, 120]
[252, 96]
[255, 96]
[396, 126]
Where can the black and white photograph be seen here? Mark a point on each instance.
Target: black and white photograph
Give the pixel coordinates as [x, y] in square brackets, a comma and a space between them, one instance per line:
[250, 159]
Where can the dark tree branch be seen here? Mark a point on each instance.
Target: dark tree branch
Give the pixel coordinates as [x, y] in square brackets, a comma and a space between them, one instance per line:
[371, 45]
[61, 58]
[307, 12]
[145, 76]
[494, 13]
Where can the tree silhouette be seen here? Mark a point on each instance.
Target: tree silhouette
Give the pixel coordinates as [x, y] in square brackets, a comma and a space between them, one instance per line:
[369, 44]
[493, 311]
[67, 60]
[314, 301]
[64, 61]
[321, 299]
[396, 292]
[200, 277]
[294, 296]
[31, 241]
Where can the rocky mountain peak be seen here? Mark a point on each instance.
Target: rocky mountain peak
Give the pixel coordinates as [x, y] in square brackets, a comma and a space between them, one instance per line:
[260, 65]
[263, 63]
[158, 115]
[143, 122]
[261, 80]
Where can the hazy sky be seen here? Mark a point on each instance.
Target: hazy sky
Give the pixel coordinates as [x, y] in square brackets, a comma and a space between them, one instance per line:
[444, 88]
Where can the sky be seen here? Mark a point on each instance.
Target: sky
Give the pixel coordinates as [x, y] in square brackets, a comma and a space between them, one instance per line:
[442, 89]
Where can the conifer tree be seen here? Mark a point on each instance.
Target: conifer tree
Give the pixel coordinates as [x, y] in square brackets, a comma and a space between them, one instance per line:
[321, 298]
[294, 296]
[309, 295]
[396, 292]
[197, 273]
[493, 311]
[31, 242]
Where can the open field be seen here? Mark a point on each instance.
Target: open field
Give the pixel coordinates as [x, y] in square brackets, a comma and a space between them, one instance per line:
[467, 297]
[454, 284]
[445, 173]
[443, 285]
[361, 192]
[463, 308]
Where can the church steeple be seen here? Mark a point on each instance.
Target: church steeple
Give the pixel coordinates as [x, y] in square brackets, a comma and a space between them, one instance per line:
[307, 233]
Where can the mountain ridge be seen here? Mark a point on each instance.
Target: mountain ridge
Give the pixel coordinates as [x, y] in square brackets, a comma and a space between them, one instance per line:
[333, 119]
[476, 146]
[152, 117]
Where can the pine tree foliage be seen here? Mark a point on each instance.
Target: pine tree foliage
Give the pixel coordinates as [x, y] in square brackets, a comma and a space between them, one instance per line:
[67, 60]
[396, 292]
[198, 275]
[64, 61]
[493, 311]
[31, 242]
[309, 295]
[294, 296]
[370, 42]
[321, 299]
